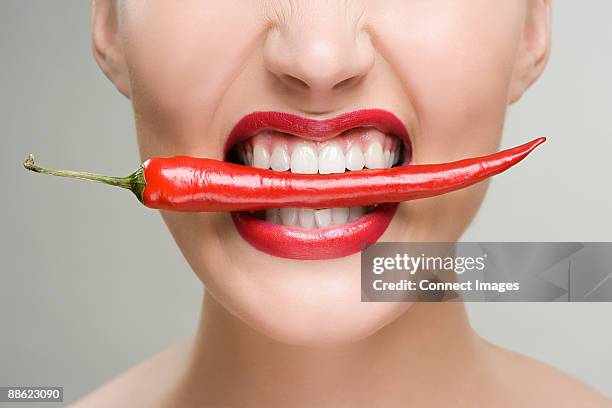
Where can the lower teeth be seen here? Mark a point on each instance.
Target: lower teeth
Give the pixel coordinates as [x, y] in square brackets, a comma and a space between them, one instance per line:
[308, 218]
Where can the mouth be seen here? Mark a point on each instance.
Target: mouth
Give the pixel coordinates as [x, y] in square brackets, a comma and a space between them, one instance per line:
[351, 142]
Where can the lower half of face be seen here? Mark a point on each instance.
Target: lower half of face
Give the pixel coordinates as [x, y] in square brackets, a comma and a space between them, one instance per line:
[441, 69]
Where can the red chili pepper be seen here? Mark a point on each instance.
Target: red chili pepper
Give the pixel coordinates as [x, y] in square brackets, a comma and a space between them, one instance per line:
[204, 185]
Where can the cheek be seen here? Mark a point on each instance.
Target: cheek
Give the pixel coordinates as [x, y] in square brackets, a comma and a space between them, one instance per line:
[440, 219]
[201, 238]
[181, 61]
[455, 60]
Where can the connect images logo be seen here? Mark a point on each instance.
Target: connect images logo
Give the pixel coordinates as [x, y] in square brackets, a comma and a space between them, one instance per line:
[488, 272]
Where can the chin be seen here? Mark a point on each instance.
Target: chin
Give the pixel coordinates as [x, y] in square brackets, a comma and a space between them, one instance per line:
[297, 302]
[341, 325]
[329, 317]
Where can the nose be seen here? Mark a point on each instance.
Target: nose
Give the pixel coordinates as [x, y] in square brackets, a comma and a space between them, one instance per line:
[319, 53]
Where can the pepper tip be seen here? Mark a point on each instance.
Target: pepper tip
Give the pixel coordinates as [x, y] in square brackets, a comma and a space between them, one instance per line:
[536, 142]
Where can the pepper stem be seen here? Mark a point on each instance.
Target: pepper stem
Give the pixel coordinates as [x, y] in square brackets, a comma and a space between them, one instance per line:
[135, 182]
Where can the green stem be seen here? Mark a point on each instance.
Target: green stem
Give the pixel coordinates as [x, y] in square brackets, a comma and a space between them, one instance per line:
[135, 182]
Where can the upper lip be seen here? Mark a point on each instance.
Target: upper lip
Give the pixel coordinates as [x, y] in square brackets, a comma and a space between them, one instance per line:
[316, 129]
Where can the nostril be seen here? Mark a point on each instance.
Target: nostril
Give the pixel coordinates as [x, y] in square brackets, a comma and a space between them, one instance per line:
[294, 82]
[348, 82]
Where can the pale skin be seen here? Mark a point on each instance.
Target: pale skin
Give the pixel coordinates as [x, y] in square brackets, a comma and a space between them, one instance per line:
[283, 333]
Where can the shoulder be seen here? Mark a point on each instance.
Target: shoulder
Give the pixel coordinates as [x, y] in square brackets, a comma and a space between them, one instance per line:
[525, 382]
[147, 384]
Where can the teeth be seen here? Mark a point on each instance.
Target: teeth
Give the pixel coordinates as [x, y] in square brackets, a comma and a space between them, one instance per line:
[273, 215]
[280, 161]
[245, 156]
[331, 159]
[354, 159]
[355, 213]
[261, 157]
[374, 156]
[340, 215]
[310, 219]
[248, 157]
[323, 217]
[289, 216]
[307, 218]
[387, 156]
[333, 156]
[304, 159]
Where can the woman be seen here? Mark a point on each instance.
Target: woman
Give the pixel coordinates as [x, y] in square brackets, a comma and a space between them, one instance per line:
[282, 323]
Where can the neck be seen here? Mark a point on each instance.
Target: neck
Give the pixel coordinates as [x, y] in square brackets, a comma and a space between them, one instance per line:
[405, 362]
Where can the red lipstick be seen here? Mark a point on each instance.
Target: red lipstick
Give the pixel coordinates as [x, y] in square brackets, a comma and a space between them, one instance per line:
[316, 130]
[326, 243]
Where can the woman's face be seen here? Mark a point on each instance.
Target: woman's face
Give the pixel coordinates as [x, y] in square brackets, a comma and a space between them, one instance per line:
[445, 68]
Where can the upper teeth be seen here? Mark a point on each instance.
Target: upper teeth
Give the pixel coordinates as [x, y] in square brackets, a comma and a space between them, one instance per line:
[261, 157]
[331, 159]
[372, 150]
[304, 159]
[279, 161]
[375, 156]
[354, 158]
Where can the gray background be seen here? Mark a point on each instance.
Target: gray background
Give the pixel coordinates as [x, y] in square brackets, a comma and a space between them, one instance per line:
[92, 283]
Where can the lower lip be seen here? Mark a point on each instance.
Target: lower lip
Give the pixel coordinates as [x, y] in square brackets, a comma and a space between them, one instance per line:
[326, 243]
